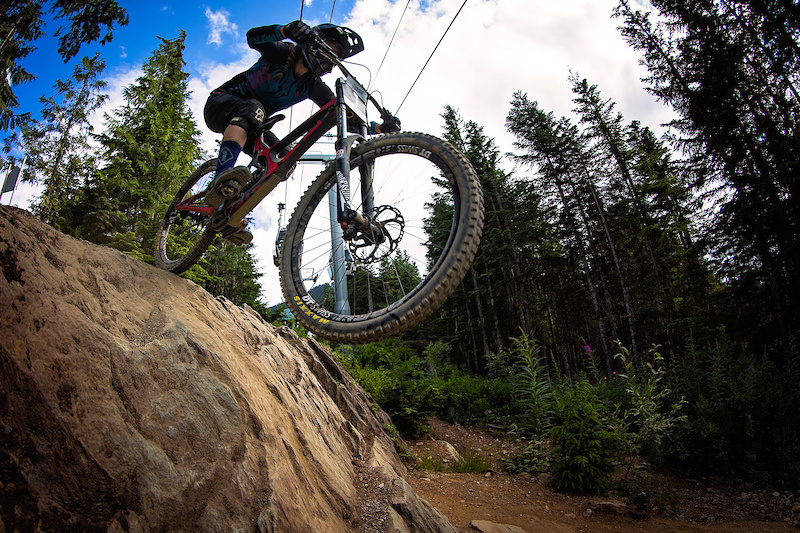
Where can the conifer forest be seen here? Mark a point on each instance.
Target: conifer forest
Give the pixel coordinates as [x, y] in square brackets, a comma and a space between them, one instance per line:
[633, 294]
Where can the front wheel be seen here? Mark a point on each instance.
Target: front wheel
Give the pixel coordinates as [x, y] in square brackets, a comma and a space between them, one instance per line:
[428, 207]
[184, 234]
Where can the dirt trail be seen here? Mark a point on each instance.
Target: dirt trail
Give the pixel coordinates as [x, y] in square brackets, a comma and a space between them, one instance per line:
[524, 502]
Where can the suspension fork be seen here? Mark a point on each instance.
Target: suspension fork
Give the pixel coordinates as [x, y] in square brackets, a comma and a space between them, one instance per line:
[344, 144]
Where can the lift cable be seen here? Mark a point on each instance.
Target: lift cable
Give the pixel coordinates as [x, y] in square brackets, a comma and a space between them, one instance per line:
[291, 118]
[390, 45]
[332, 8]
[434, 51]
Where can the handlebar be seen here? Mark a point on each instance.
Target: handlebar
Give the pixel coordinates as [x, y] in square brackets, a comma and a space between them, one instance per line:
[331, 56]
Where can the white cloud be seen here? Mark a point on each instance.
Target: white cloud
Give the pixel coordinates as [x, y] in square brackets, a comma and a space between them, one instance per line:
[116, 83]
[218, 25]
[493, 49]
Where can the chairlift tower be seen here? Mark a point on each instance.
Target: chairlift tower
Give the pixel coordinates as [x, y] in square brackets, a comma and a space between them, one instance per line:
[338, 259]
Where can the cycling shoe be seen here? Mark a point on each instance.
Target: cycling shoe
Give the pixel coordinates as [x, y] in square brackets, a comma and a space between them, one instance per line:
[240, 238]
[228, 184]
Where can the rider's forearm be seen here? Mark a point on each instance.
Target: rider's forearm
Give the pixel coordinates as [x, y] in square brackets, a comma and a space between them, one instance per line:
[264, 34]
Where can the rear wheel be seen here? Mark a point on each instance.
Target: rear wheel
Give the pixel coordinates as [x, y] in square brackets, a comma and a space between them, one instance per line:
[184, 236]
[429, 208]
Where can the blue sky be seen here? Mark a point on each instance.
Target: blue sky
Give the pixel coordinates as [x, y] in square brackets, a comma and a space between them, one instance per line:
[494, 48]
[213, 29]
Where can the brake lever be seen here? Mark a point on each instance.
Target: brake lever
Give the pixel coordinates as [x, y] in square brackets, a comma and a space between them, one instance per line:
[331, 55]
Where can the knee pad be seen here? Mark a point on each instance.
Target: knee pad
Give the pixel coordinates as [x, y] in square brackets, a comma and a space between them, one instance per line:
[249, 116]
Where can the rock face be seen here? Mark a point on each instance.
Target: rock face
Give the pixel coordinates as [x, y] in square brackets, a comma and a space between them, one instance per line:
[132, 400]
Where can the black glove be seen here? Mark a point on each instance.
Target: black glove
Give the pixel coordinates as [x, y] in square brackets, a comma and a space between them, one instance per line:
[299, 32]
[390, 124]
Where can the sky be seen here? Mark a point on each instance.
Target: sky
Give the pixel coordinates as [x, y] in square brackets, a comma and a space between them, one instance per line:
[493, 49]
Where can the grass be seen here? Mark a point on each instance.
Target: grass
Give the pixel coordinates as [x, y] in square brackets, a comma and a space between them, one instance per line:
[470, 463]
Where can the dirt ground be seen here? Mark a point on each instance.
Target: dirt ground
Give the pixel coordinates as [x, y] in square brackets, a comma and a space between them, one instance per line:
[682, 505]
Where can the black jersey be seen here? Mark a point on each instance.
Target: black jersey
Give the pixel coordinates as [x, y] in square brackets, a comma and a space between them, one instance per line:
[269, 80]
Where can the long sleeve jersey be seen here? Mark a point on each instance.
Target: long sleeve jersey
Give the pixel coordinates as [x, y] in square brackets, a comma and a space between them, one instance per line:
[268, 82]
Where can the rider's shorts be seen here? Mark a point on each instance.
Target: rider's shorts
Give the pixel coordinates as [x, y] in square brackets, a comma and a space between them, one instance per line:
[223, 109]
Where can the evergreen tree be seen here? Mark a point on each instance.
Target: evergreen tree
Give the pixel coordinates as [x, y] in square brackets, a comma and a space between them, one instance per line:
[231, 272]
[554, 150]
[22, 23]
[494, 295]
[150, 145]
[57, 145]
[729, 70]
[625, 209]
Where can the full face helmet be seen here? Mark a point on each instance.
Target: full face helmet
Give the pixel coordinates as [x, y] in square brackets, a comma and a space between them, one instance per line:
[343, 41]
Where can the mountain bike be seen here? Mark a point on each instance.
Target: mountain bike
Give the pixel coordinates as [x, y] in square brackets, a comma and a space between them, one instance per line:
[361, 259]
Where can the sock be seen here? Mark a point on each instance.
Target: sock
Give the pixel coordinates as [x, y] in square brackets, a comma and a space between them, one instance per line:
[228, 152]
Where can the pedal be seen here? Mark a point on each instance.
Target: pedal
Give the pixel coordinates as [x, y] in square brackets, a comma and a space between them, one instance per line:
[227, 185]
[240, 238]
[230, 188]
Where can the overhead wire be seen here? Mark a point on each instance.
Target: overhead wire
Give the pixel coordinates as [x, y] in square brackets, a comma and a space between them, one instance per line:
[390, 45]
[434, 51]
[291, 117]
[291, 109]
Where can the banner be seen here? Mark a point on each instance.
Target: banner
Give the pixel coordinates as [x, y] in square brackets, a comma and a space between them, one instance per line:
[11, 180]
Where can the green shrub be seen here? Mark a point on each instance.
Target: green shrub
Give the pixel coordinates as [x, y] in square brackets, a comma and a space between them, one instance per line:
[584, 451]
[533, 459]
[648, 416]
[471, 463]
[743, 414]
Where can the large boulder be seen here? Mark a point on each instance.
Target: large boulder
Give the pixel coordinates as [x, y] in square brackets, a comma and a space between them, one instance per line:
[133, 400]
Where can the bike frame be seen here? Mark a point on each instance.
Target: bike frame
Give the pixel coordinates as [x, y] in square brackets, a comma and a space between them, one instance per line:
[350, 100]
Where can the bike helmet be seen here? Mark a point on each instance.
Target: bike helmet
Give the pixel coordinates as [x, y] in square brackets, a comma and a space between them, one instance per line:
[343, 41]
[347, 41]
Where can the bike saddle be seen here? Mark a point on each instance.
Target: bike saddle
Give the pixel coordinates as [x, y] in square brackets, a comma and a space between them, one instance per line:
[271, 121]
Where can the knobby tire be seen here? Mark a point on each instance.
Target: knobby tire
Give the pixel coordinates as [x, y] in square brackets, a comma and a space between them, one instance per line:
[443, 267]
[175, 256]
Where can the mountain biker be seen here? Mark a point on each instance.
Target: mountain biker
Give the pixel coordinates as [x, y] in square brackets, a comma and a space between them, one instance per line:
[284, 75]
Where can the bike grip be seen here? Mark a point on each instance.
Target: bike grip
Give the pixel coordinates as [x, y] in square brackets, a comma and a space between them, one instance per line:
[390, 124]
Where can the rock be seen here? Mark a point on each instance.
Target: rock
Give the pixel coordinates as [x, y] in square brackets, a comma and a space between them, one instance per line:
[132, 400]
[484, 526]
[408, 508]
[609, 507]
[450, 452]
[544, 478]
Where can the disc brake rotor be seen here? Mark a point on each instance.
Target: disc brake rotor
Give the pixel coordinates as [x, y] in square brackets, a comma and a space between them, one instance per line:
[368, 249]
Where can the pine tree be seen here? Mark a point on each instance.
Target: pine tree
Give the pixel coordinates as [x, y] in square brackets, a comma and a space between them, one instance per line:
[552, 148]
[150, 145]
[496, 295]
[57, 145]
[22, 23]
[728, 69]
[232, 273]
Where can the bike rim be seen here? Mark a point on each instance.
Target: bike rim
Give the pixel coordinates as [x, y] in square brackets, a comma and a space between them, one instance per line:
[182, 231]
[408, 181]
